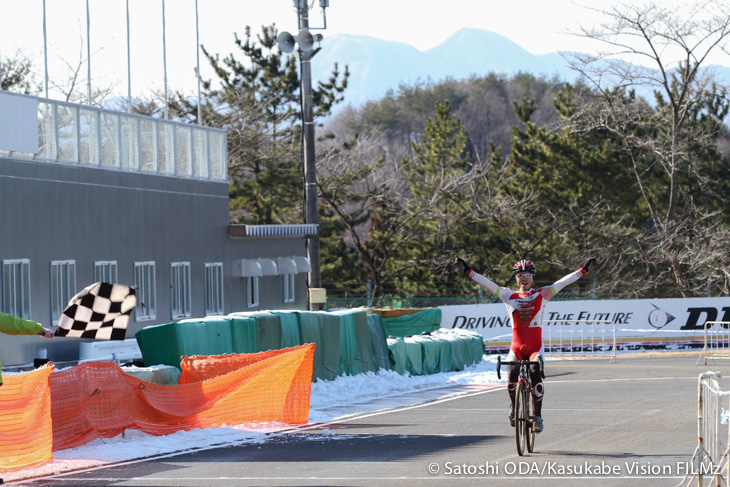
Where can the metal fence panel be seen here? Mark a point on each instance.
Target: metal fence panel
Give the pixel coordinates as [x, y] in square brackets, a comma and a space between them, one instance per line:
[47, 131]
[200, 154]
[183, 139]
[79, 134]
[67, 128]
[218, 156]
[148, 145]
[166, 148]
[89, 136]
[129, 155]
[110, 140]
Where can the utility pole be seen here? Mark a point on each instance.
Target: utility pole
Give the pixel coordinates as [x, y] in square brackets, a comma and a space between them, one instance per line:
[310, 168]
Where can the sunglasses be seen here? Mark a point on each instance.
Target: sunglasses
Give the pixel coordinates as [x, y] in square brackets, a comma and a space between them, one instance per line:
[524, 274]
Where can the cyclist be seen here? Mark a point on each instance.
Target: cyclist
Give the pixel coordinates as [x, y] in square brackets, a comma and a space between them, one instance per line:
[526, 307]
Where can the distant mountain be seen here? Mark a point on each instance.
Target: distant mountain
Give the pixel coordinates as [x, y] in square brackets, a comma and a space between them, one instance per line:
[377, 65]
[481, 51]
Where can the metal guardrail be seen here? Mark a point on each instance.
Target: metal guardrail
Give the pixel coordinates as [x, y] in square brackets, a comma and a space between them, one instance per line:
[716, 342]
[710, 459]
[588, 342]
[592, 339]
[69, 133]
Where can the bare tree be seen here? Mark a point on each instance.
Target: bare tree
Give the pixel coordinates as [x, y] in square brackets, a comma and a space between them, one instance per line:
[665, 49]
[71, 83]
[365, 199]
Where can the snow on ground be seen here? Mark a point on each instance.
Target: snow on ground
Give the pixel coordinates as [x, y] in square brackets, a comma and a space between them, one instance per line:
[344, 390]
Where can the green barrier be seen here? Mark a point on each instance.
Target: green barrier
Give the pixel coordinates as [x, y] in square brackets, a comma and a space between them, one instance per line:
[381, 354]
[243, 334]
[442, 351]
[356, 347]
[159, 345]
[397, 349]
[289, 329]
[268, 329]
[165, 344]
[414, 355]
[365, 348]
[205, 336]
[218, 335]
[446, 354]
[322, 329]
[346, 342]
[428, 320]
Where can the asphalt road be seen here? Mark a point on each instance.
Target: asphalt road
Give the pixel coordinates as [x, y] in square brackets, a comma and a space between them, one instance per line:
[629, 423]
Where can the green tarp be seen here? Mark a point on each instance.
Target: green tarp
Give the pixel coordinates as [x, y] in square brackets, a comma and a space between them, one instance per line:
[165, 344]
[243, 334]
[381, 354]
[442, 351]
[322, 329]
[346, 342]
[356, 347]
[290, 336]
[268, 329]
[427, 320]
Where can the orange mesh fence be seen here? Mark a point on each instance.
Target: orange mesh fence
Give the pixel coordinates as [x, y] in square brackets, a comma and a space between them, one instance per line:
[98, 399]
[205, 367]
[202, 367]
[25, 420]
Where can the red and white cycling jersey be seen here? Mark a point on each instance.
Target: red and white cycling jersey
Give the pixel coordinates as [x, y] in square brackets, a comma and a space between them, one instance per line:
[526, 310]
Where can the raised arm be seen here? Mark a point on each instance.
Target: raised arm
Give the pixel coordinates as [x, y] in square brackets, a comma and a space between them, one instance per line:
[476, 277]
[557, 286]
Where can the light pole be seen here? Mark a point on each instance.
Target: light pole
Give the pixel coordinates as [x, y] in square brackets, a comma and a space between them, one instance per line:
[305, 42]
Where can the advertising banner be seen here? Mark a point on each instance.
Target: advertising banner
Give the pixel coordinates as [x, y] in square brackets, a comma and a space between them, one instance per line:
[649, 318]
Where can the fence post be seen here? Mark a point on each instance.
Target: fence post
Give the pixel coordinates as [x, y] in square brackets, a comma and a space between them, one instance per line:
[613, 355]
[700, 438]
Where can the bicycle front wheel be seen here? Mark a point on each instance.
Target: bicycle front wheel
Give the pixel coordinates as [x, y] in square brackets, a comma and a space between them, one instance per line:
[522, 419]
[529, 424]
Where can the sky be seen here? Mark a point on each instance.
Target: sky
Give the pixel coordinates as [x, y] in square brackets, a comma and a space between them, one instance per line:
[538, 26]
[354, 394]
[420, 23]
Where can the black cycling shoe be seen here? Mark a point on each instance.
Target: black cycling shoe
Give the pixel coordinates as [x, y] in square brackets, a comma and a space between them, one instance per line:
[537, 425]
[512, 415]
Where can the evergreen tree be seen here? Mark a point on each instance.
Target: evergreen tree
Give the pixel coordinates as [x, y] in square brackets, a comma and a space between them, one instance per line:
[255, 95]
[440, 165]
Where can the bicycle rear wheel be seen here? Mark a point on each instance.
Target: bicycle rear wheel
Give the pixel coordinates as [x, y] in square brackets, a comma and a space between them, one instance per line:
[522, 419]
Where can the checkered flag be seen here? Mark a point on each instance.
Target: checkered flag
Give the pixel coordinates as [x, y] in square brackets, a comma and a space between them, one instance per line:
[100, 311]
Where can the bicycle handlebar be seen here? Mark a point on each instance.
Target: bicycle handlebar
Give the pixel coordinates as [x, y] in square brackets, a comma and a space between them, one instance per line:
[516, 362]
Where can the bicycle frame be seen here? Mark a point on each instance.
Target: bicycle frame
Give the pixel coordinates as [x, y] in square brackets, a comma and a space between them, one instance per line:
[524, 429]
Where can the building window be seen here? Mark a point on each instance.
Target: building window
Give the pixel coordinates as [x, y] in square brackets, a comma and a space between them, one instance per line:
[105, 271]
[253, 291]
[214, 288]
[63, 286]
[180, 286]
[16, 288]
[288, 287]
[144, 279]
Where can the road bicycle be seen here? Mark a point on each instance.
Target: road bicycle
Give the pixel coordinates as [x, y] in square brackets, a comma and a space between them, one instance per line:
[523, 410]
